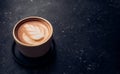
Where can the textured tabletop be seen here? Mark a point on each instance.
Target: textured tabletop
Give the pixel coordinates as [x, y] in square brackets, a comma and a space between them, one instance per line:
[86, 33]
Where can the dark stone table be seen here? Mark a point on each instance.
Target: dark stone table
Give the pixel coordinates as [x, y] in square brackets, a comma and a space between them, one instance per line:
[86, 32]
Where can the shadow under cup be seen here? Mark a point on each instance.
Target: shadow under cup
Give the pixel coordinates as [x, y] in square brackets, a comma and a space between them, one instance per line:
[33, 50]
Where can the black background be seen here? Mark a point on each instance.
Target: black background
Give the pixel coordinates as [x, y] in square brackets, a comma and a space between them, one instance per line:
[86, 33]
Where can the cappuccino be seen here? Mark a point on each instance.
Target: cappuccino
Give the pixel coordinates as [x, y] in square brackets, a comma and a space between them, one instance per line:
[33, 32]
[33, 35]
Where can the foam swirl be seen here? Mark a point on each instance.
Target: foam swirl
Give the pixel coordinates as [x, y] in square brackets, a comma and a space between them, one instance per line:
[33, 32]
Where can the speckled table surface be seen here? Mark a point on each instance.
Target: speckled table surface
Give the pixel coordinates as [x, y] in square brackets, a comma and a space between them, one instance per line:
[86, 33]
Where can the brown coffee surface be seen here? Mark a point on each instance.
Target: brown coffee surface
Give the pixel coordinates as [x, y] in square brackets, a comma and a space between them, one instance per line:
[33, 32]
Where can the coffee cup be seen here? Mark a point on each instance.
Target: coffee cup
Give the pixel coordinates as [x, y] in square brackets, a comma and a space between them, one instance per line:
[33, 36]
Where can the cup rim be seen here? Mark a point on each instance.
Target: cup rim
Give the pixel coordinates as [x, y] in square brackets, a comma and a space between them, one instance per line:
[30, 17]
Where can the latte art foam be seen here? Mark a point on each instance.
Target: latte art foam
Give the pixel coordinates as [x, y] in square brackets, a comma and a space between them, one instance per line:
[33, 32]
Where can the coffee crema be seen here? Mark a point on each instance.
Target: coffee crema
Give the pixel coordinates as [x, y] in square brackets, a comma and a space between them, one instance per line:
[33, 32]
